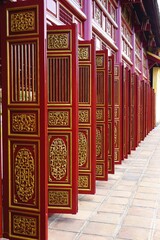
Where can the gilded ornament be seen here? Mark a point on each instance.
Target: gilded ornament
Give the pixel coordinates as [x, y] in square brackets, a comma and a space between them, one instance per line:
[83, 182]
[115, 135]
[99, 114]
[24, 175]
[98, 142]
[83, 53]
[82, 149]
[23, 122]
[58, 159]
[99, 61]
[83, 116]
[58, 41]
[99, 170]
[58, 198]
[58, 118]
[98, 15]
[23, 21]
[26, 226]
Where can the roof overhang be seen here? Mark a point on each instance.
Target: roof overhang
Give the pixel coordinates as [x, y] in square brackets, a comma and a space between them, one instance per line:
[153, 59]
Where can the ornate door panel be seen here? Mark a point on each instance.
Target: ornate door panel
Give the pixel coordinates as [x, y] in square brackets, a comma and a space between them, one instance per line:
[87, 117]
[118, 114]
[142, 110]
[128, 108]
[1, 159]
[138, 110]
[24, 120]
[133, 102]
[102, 115]
[62, 81]
[124, 104]
[111, 114]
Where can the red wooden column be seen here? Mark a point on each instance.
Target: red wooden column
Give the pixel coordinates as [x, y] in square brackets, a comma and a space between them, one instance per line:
[1, 159]
[87, 117]
[24, 120]
[124, 104]
[111, 114]
[102, 115]
[62, 82]
[118, 133]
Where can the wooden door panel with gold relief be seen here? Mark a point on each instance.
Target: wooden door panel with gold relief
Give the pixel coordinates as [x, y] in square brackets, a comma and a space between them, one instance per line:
[62, 82]
[111, 114]
[118, 113]
[87, 117]
[24, 120]
[102, 115]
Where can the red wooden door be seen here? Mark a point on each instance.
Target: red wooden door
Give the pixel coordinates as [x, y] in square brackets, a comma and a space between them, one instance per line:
[111, 114]
[102, 115]
[1, 159]
[62, 81]
[24, 120]
[87, 117]
[128, 110]
[142, 119]
[118, 133]
[124, 103]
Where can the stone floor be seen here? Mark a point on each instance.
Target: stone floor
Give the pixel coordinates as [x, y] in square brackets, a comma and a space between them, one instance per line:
[127, 206]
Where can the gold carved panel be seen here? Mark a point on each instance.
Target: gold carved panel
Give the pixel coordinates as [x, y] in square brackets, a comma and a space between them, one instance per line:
[100, 114]
[82, 148]
[99, 169]
[58, 41]
[99, 142]
[83, 53]
[57, 118]
[58, 198]
[83, 181]
[25, 225]
[84, 115]
[99, 61]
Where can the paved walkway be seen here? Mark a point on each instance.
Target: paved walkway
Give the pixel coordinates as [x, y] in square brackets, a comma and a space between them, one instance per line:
[125, 207]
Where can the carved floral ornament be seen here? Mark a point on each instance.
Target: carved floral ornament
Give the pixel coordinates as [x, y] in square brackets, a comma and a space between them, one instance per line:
[58, 41]
[83, 53]
[82, 149]
[25, 225]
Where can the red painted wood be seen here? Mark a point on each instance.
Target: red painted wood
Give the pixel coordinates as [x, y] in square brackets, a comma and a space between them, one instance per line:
[87, 117]
[24, 100]
[62, 81]
[124, 103]
[111, 114]
[118, 114]
[102, 115]
[0, 136]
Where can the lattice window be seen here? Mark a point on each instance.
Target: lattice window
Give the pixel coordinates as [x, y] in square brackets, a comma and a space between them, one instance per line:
[64, 15]
[23, 72]
[84, 85]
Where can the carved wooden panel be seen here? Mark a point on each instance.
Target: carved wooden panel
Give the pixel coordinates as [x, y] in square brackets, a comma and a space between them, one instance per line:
[87, 117]
[102, 115]
[117, 113]
[24, 120]
[62, 66]
[111, 109]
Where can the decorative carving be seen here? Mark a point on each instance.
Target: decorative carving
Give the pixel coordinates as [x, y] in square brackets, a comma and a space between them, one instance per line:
[99, 115]
[98, 16]
[23, 122]
[82, 148]
[83, 53]
[99, 61]
[99, 170]
[98, 142]
[24, 174]
[58, 159]
[116, 155]
[83, 116]
[83, 182]
[25, 226]
[58, 41]
[115, 135]
[23, 21]
[58, 198]
[58, 118]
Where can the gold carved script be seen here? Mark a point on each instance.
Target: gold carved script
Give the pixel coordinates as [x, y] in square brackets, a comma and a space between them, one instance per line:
[23, 21]
[24, 174]
[58, 159]
[58, 198]
[82, 149]
[83, 182]
[98, 142]
[99, 61]
[83, 116]
[83, 53]
[24, 225]
[58, 118]
[23, 122]
[58, 41]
